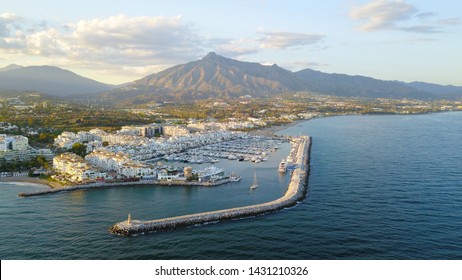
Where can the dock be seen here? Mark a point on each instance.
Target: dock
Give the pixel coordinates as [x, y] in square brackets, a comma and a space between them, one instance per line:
[296, 191]
[128, 184]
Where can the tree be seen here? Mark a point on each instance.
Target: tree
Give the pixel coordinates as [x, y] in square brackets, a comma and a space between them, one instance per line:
[79, 149]
[46, 137]
[42, 161]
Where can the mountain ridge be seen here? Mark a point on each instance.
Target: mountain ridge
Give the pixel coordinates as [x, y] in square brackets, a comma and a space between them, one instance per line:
[50, 80]
[215, 76]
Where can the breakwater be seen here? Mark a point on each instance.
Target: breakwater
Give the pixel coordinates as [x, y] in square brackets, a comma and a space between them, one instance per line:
[126, 184]
[296, 191]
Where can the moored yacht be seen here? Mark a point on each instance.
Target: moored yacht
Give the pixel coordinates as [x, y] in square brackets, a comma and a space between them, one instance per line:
[282, 166]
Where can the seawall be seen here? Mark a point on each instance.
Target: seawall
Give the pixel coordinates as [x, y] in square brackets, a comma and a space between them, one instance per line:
[122, 184]
[296, 191]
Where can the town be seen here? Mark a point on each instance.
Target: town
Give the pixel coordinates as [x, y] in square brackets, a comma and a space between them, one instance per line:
[80, 143]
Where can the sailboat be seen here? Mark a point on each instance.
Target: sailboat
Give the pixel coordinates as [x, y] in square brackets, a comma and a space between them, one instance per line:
[255, 183]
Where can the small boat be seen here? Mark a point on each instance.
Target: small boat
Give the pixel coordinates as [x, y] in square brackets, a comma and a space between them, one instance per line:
[282, 166]
[255, 183]
[234, 178]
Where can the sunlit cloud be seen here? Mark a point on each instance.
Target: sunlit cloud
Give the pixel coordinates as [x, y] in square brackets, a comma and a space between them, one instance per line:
[382, 14]
[237, 49]
[392, 15]
[283, 40]
[117, 40]
[129, 46]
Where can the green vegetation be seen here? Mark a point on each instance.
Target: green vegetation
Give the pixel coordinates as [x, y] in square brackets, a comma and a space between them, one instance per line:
[37, 162]
[58, 116]
[67, 116]
[79, 149]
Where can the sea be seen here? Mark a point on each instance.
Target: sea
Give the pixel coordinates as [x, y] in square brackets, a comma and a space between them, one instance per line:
[380, 187]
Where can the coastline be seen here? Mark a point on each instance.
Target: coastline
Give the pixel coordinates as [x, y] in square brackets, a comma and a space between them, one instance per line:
[266, 131]
[273, 130]
[33, 180]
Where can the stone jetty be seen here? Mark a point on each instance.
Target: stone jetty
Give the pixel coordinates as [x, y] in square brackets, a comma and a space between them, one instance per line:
[296, 191]
[127, 184]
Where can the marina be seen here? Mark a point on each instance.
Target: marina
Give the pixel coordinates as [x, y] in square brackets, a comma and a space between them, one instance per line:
[247, 148]
[296, 191]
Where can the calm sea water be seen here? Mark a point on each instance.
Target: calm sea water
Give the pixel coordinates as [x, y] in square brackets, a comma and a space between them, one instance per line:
[381, 187]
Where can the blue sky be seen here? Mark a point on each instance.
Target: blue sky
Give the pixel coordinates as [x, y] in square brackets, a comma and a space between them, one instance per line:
[119, 41]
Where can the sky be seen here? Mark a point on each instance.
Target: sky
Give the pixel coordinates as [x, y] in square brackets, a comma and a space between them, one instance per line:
[118, 41]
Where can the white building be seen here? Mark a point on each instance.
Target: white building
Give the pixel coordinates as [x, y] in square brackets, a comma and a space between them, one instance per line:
[19, 143]
[15, 143]
[175, 130]
[150, 130]
[75, 168]
[121, 163]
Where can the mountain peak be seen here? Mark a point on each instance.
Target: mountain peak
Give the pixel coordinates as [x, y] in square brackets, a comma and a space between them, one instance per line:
[211, 56]
[11, 67]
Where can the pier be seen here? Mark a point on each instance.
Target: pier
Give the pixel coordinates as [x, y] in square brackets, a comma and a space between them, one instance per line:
[129, 184]
[296, 191]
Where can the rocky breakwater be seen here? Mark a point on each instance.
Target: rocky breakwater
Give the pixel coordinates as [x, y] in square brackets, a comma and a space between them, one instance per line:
[296, 191]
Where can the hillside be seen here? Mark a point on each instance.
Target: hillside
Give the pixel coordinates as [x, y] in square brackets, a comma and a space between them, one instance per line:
[212, 76]
[346, 85]
[49, 80]
[215, 76]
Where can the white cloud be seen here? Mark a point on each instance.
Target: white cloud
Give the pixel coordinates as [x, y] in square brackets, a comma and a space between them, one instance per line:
[425, 15]
[395, 15]
[236, 48]
[283, 40]
[300, 65]
[449, 21]
[127, 46]
[9, 17]
[155, 40]
[103, 43]
[8, 26]
[420, 29]
[382, 14]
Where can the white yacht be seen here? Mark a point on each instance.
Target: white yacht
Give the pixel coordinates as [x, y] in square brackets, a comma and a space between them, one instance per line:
[282, 166]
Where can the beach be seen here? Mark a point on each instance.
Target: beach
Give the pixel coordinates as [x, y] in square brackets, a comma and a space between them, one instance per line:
[34, 180]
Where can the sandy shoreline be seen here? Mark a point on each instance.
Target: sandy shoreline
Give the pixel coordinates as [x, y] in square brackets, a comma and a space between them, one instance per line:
[33, 180]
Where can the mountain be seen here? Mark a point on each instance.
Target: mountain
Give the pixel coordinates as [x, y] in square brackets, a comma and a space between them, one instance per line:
[215, 76]
[212, 76]
[49, 80]
[346, 85]
[11, 67]
[443, 91]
